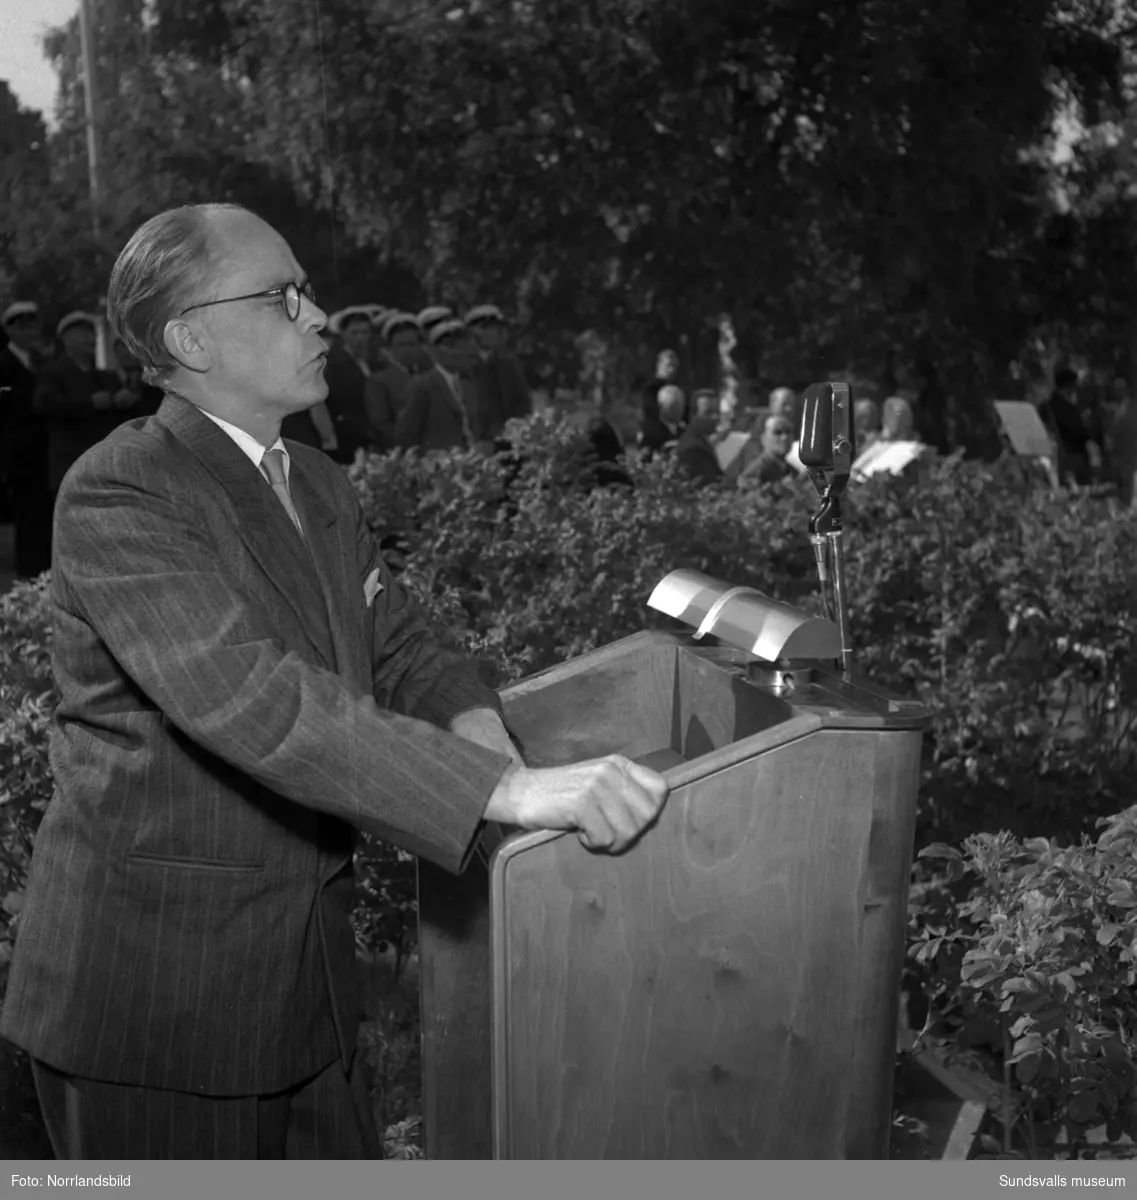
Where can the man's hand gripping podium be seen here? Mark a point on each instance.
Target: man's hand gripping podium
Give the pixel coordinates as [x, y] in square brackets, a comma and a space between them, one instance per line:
[609, 801]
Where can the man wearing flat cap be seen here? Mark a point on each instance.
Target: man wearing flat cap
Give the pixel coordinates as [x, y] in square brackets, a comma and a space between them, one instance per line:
[498, 374]
[403, 356]
[441, 410]
[432, 315]
[243, 685]
[23, 438]
[81, 402]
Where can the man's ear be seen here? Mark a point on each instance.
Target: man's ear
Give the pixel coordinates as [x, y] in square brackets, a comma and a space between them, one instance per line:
[185, 346]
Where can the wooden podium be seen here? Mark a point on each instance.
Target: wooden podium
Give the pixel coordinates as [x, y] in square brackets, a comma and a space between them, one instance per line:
[728, 987]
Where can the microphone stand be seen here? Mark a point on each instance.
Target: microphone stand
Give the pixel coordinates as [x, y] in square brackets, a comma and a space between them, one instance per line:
[826, 535]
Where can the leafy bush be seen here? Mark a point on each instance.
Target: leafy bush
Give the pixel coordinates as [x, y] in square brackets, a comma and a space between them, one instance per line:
[1006, 607]
[1037, 963]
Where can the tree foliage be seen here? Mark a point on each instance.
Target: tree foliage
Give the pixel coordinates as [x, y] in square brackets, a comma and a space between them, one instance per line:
[863, 186]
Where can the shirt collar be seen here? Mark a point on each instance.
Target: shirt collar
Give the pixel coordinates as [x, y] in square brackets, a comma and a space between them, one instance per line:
[21, 355]
[249, 444]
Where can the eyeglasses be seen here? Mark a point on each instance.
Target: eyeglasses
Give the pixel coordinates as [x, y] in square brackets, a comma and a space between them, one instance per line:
[783, 432]
[290, 294]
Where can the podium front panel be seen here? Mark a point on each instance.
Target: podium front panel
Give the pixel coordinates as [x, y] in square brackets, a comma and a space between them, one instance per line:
[728, 987]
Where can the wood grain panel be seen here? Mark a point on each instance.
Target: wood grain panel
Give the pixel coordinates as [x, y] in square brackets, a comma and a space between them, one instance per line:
[894, 769]
[454, 992]
[623, 704]
[695, 998]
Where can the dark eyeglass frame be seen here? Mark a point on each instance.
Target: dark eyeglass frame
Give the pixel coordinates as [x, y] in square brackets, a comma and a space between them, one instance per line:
[291, 294]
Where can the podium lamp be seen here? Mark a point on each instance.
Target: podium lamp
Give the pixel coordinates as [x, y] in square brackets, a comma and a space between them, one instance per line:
[727, 988]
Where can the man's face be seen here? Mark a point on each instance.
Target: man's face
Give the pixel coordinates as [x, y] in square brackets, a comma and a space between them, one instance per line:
[456, 353]
[357, 336]
[777, 437]
[403, 345]
[667, 365]
[79, 344]
[273, 365]
[487, 334]
[25, 332]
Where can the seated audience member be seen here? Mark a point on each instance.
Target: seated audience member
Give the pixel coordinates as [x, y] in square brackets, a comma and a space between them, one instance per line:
[440, 411]
[783, 403]
[386, 389]
[80, 402]
[695, 451]
[770, 465]
[898, 422]
[665, 424]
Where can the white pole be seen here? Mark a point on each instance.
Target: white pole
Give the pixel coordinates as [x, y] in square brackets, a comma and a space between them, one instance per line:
[91, 103]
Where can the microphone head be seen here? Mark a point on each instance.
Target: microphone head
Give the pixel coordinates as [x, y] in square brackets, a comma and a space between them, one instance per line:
[815, 440]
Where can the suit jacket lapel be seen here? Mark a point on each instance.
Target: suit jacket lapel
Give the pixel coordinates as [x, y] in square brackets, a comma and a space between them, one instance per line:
[263, 524]
[335, 560]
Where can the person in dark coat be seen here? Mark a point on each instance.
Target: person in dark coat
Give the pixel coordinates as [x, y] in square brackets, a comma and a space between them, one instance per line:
[1074, 429]
[441, 408]
[81, 403]
[386, 390]
[695, 451]
[346, 374]
[23, 439]
[770, 465]
[499, 375]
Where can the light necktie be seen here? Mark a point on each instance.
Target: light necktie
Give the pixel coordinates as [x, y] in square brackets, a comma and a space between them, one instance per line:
[273, 466]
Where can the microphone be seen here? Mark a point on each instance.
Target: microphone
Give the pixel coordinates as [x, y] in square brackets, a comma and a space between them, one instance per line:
[827, 440]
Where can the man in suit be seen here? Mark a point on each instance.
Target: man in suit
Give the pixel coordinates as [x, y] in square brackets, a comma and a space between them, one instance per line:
[81, 402]
[23, 438]
[499, 376]
[386, 389]
[242, 684]
[442, 410]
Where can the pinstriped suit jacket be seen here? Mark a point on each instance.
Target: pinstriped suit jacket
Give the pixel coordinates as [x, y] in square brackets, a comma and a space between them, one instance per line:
[231, 711]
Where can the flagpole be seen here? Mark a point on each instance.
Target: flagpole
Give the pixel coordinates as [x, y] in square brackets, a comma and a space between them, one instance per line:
[94, 164]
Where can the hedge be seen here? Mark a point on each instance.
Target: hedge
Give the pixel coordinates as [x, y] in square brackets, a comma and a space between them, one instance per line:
[1005, 606]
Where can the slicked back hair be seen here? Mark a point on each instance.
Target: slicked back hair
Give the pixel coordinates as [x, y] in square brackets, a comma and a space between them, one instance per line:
[159, 273]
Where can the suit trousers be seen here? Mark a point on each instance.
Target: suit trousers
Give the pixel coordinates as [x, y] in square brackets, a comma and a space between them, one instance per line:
[326, 1117]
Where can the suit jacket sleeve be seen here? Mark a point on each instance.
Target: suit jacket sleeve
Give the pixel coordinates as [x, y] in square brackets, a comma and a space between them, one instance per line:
[132, 562]
[414, 671]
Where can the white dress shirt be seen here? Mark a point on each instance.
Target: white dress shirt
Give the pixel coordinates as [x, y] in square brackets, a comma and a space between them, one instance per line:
[250, 445]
